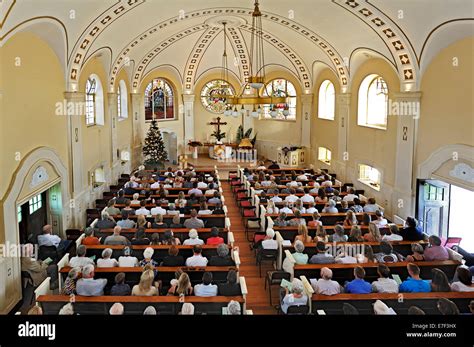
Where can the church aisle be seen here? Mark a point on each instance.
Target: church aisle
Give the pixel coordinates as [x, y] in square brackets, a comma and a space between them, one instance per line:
[257, 298]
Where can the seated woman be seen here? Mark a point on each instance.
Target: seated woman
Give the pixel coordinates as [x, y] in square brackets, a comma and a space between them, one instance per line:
[182, 287]
[299, 256]
[344, 206]
[106, 260]
[180, 202]
[439, 281]
[368, 256]
[374, 234]
[417, 255]
[145, 287]
[366, 220]
[351, 219]
[147, 258]
[142, 223]
[299, 206]
[203, 209]
[295, 297]
[464, 282]
[128, 209]
[303, 235]
[173, 258]
[215, 239]
[330, 207]
[69, 286]
[321, 196]
[271, 208]
[140, 237]
[158, 223]
[135, 200]
[222, 258]
[297, 219]
[355, 234]
[380, 221]
[321, 234]
[193, 239]
[315, 222]
[169, 239]
[231, 287]
[386, 254]
[176, 223]
[392, 234]
[280, 221]
[339, 234]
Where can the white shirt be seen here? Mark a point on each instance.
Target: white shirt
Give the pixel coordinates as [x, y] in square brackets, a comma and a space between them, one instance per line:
[350, 197]
[155, 185]
[204, 212]
[205, 290]
[380, 222]
[48, 240]
[142, 211]
[461, 287]
[270, 244]
[202, 185]
[385, 285]
[276, 198]
[329, 210]
[311, 209]
[291, 198]
[196, 260]
[80, 261]
[307, 198]
[127, 261]
[346, 260]
[157, 210]
[302, 178]
[192, 242]
[370, 208]
[325, 287]
[107, 262]
[286, 210]
[293, 184]
[273, 210]
[392, 237]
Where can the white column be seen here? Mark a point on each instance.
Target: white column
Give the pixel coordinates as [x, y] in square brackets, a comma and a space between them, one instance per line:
[406, 107]
[113, 114]
[306, 114]
[342, 118]
[138, 123]
[75, 145]
[188, 119]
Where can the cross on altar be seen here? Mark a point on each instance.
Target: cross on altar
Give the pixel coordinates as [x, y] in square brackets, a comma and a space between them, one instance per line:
[218, 123]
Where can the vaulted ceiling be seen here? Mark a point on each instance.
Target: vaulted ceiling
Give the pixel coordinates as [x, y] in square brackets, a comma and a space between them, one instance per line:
[186, 36]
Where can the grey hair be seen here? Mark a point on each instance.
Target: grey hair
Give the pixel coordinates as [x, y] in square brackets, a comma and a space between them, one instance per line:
[107, 253]
[339, 229]
[299, 246]
[116, 309]
[73, 273]
[233, 307]
[89, 231]
[87, 270]
[297, 286]
[81, 250]
[67, 310]
[222, 250]
[188, 309]
[149, 311]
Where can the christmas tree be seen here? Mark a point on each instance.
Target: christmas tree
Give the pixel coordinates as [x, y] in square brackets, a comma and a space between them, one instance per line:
[154, 149]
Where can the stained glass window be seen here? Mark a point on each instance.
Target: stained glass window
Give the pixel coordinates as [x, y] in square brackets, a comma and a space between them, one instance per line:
[280, 88]
[159, 100]
[212, 95]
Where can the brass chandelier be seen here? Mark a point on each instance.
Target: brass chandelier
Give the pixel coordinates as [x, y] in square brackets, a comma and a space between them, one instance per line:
[256, 80]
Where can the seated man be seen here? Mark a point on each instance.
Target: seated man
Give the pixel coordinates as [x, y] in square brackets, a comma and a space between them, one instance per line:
[370, 206]
[48, 239]
[222, 258]
[412, 232]
[216, 199]
[330, 207]
[206, 288]
[193, 222]
[269, 241]
[120, 288]
[292, 197]
[358, 285]
[38, 270]
[435, 251]
[384, 283]
[218, 209]
[414, 284]
[322, 257]
[120, 199]
[193, 238]
[127, 260]
[158, 210]
[197, 259]
[105, 222]
[111, 209]
[350, 196]
[116, 238]
[126, 222]
[142, 210]
[325, 285]
[80, 260]
[87, 285]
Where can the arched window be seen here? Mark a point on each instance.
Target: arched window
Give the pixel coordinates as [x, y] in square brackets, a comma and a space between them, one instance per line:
[324, 155]
[122, 100]
[159, 100]
[373, 102]
[370, 176]
[212, 95]
[326, 100]
[280, 88]
[94, 101]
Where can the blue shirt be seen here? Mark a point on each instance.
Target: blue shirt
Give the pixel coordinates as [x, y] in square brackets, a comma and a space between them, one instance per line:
[358, 286]
[415, 286]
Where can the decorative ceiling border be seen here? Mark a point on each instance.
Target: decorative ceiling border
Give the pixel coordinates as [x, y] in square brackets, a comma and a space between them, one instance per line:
[196, 56]
[144, 62]
[341, 69]
[92, 33]
[298, 63]
[7, 12]
[241, 52]
[393, 37]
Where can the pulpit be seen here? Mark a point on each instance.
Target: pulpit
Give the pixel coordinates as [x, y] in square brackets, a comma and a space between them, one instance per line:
[291, 157]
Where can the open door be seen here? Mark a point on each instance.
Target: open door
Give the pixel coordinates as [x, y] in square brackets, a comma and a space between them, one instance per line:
[433, 207]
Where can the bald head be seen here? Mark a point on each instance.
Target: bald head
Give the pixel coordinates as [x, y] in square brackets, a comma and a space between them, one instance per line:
[47, 229]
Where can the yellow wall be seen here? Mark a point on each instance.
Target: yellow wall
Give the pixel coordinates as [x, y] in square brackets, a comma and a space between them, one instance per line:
[447, 103]
[96, 148]
[324, 133]
[29, 103]
[124, 127]
[370, 146]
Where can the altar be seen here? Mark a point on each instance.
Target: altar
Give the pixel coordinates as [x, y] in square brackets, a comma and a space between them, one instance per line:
[220, 151]
[291, 158]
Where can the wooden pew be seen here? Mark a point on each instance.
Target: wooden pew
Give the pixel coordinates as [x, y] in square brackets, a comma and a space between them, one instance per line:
[345, 272]
[164, 305]
[290, 232]
[210, 220]
[399, 302]
[326, 218]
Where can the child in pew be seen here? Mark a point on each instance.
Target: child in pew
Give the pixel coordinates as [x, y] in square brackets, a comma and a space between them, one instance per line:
[69, 286]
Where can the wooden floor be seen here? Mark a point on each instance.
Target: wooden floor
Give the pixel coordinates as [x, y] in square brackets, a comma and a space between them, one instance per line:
[257, 298]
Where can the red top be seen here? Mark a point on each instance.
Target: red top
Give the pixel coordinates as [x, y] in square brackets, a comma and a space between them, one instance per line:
[215, 240]
[90, 240]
